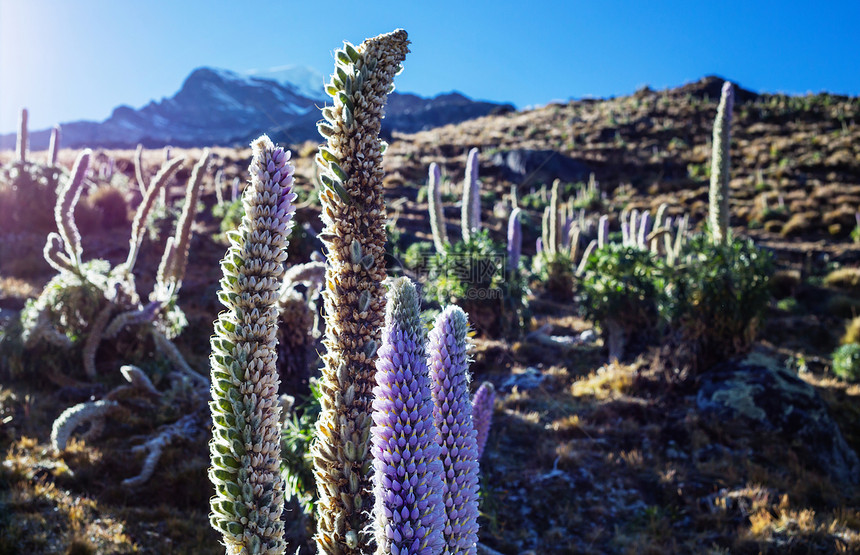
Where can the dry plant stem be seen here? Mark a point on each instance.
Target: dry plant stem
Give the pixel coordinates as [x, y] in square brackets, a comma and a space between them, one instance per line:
[67, 198]
[138, 169]
[138, 226]
[182, 239]
[353, 211]
[166, 346]
[94, 338]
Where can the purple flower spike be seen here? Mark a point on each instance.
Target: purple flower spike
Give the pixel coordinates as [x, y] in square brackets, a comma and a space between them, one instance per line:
[515, 240]
[452, 412]
[407, 471]
[482, 413]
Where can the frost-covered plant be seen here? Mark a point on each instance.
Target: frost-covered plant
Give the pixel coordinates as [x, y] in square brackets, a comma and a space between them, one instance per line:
[90, 414]
[245, 447]
[353, 213]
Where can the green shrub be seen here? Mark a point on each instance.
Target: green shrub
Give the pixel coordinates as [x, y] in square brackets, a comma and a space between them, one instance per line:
[846, 362]
[713, 302]
[230, 214]
[618, 291]
[473, 276]
[555, 272]
[417, 255]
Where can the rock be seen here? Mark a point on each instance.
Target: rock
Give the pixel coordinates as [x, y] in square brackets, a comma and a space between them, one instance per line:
[767, 399]
[588, 336]
[530, 379]
[524, 166]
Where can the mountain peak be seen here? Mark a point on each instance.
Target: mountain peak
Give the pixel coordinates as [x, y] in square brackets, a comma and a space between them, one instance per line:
[304, 80]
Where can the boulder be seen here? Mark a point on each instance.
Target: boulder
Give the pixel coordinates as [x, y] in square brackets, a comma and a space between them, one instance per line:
[533, 167]
[764, 398]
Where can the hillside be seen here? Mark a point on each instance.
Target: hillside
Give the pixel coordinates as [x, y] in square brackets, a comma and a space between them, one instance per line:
[584, 456]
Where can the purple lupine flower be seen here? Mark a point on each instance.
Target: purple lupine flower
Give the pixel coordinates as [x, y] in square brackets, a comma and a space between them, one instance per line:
[407, 471]
[539, 245]
[452, 413]
[482, 413]
[515, 240]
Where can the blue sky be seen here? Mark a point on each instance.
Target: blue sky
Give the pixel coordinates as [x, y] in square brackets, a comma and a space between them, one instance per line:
[78, 59]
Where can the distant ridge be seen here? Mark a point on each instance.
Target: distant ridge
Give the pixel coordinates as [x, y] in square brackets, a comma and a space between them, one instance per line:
[221, 107]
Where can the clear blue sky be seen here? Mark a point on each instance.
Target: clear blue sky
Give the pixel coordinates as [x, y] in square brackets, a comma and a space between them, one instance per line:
[78, 59]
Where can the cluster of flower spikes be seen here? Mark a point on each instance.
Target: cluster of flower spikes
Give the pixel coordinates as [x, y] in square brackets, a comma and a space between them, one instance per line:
[424, 444]
[245, 448]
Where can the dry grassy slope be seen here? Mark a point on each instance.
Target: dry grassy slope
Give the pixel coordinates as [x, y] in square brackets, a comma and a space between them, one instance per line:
[653, 147]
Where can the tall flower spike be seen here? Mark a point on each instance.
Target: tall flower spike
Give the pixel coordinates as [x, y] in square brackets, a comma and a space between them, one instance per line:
[437, 216]
[64, 212]
[718, 197]
[554, 233]
[603, 231]
[54, 146]
[470, 216]
[22, 139]
[245, 446]
[353, 212]
[482, 413]
[515, 240]
[452, 414]
[407, 480]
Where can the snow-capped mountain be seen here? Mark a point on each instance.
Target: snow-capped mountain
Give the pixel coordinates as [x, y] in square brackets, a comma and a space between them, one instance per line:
[221, 107]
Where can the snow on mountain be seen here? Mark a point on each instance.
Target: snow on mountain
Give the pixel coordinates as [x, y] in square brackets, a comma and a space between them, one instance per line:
[305, 80]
